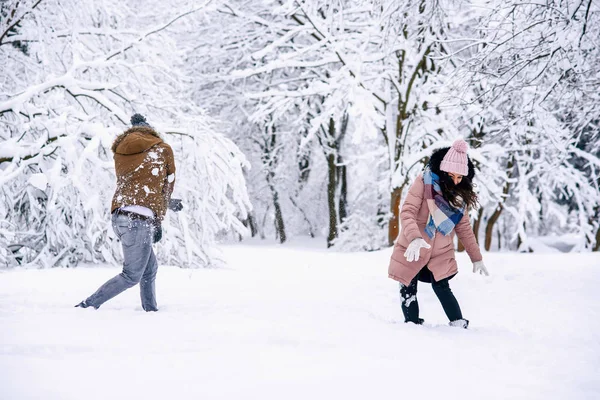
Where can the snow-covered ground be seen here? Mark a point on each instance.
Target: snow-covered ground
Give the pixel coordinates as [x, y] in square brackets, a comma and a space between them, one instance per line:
[299, 322]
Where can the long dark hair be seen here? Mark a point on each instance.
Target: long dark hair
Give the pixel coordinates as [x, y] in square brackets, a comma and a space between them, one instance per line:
[453, 193]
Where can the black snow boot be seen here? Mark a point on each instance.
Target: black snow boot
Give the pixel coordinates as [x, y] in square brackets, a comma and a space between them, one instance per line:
[84, 304]
[410, 305]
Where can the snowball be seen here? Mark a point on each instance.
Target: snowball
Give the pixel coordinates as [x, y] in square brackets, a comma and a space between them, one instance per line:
[155, 171]
[40, 181]
[171, 178]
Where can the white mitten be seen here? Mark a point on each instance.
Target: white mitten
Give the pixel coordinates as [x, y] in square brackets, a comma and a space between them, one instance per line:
[479, 266]
[413, 249]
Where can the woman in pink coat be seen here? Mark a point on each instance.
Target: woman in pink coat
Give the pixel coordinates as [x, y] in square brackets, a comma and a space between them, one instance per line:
[436, 207]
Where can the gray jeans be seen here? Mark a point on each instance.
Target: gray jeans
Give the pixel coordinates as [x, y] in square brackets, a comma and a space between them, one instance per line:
[139, 265]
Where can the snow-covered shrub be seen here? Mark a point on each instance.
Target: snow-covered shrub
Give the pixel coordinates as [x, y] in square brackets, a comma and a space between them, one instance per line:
[362, 232]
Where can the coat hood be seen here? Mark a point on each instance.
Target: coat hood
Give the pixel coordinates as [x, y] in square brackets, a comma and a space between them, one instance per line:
[136, 140]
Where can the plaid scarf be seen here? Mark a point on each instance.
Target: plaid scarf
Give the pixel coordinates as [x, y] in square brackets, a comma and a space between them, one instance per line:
[442, 216]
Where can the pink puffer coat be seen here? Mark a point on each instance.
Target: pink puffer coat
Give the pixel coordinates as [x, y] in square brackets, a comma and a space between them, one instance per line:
[440, 257]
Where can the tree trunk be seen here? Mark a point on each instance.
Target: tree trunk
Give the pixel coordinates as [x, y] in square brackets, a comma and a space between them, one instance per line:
[394, 226]
[343, 184]
[499, 240]
[250, 223]
[331, 186]
[595, 246]
[336, 176]
[477, 224]
[270, 161]
[279, 225]
[489, 229]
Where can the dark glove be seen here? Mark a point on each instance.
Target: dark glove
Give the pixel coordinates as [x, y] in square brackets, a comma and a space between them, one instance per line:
[157, 232]
[175, 205]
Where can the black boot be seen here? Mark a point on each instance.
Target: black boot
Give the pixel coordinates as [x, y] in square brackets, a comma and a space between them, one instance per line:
[410, 305]
[84, 304]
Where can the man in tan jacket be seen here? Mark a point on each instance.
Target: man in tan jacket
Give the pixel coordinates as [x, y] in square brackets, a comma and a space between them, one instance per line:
[145, 170]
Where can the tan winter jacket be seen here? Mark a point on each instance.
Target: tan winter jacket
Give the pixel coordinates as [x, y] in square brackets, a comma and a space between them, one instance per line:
[440, 257]
[145, 170]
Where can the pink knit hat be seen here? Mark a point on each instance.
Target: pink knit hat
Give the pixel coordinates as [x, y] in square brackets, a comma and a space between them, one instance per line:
[455, 160]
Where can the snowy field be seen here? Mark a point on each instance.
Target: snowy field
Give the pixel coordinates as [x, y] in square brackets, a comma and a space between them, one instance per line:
[297, 322]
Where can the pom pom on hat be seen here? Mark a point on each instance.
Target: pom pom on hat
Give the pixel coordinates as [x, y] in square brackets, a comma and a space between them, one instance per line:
[139, 120]
[455, 160]
[460, 145]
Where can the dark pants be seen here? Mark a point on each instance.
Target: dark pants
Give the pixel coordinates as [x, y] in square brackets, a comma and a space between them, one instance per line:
[410, 306]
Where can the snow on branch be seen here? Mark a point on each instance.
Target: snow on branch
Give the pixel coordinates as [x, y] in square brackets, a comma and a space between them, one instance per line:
[59, 119]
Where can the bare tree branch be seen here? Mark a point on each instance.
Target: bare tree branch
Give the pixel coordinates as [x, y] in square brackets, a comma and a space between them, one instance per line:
[17, 21]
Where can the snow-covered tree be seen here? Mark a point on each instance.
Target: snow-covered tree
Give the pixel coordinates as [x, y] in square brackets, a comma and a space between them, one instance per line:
[337, 105]
[529, 78]
[354, 70]
[72, 73]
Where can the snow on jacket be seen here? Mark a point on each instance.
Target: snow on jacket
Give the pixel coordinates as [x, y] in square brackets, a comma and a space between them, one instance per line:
[145, 169]
[440, 257]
